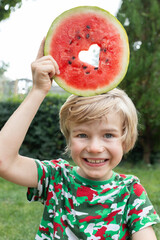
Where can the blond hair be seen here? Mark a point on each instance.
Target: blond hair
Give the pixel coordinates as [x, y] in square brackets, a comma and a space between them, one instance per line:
[80, 109]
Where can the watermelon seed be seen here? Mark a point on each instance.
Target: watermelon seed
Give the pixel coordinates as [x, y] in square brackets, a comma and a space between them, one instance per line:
[84, 67]
[87, 36]
[87, 72]
[96, 68]
[107, 60]
[69, 62]
[70, 42]
[103, 49]
[88, 27]
[78, 37]
[73, 57]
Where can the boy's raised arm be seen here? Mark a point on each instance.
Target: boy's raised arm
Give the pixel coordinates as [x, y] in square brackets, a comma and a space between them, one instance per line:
[14, 167]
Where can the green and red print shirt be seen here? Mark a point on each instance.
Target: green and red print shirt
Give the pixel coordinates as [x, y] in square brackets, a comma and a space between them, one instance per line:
[77, 208]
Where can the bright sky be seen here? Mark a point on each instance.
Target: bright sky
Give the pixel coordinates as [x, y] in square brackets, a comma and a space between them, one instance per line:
[21, 34]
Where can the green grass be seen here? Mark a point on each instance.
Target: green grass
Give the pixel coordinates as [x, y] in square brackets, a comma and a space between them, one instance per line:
[20, 219]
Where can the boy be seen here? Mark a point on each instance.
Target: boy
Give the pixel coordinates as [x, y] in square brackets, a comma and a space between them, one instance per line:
[89, 201]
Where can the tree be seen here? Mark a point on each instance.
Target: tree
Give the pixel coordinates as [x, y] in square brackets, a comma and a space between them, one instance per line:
[7, 6]
[3, 67]
[141, 20]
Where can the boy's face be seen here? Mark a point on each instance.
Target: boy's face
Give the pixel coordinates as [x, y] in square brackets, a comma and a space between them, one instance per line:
[96, 146]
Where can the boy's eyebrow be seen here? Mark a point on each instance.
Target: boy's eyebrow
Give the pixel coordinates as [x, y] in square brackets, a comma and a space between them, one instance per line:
[102, 130]
[79, 130]
[111, 129]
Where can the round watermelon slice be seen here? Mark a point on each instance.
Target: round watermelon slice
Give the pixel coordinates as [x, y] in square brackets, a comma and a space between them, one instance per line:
[76, 31]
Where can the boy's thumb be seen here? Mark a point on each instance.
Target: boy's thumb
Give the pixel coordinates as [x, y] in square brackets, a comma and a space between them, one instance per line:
[41, 49]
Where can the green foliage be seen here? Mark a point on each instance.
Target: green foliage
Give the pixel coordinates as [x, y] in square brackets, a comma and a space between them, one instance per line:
[7, 6]
[44, 139]
[3, 67]
[142, 83]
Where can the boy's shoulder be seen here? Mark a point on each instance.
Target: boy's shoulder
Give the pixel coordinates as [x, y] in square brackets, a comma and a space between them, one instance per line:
[126, 178]
[132, 183]
[54, 163]
[55, 167]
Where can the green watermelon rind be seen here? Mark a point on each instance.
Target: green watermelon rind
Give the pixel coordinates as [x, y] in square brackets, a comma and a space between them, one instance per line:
[87, 93]
[120, 76]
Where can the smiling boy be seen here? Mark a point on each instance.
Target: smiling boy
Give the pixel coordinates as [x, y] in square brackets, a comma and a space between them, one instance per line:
[96, 146]
[89, 201]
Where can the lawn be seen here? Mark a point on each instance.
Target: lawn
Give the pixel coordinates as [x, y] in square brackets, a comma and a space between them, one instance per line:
[19, 219]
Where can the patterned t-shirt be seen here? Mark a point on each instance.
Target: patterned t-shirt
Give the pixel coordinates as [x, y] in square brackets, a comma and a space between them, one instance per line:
[77, 208]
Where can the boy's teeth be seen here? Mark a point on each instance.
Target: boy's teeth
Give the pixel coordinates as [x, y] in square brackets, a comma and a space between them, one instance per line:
[95, 161]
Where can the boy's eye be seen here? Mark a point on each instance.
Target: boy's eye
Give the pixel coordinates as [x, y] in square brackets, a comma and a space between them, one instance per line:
[108, 135]
[82, 135]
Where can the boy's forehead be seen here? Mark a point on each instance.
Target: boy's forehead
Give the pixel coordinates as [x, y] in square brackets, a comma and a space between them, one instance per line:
[110, 119]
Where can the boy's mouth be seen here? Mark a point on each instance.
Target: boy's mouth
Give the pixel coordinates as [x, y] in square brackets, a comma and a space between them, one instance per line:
[95, 161]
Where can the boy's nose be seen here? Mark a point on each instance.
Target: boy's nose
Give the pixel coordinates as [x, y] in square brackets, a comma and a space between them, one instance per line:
[95, 146]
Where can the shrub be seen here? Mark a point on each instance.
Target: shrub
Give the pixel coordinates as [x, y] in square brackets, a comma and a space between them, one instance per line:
[44, 139]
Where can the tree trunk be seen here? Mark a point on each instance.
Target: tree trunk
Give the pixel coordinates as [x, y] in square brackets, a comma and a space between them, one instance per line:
[147, 154]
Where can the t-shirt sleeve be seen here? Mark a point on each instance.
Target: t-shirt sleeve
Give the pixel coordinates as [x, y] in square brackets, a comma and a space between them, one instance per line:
[44, 174]
[50, 177]
[141, 212]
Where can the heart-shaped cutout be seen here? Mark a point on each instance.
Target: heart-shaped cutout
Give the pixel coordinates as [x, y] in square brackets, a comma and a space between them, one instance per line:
[91, 56]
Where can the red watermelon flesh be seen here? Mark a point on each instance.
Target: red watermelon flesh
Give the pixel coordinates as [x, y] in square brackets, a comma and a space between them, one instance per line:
[76, 30]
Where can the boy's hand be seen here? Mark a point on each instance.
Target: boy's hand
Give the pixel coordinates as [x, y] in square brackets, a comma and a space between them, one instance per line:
[43, 70]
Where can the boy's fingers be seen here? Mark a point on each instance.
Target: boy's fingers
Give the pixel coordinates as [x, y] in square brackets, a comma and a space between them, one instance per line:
[56, 66]
[41, 49]
[46, 59]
